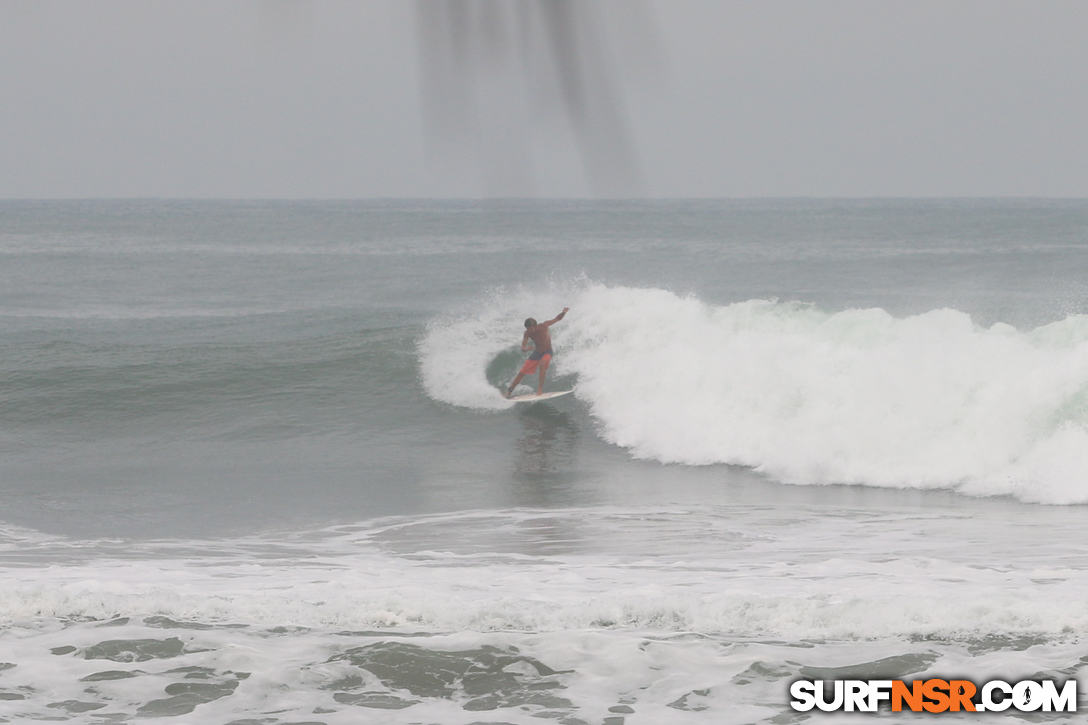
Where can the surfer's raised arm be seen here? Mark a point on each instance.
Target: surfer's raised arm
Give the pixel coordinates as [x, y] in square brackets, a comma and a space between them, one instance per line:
[558, 317]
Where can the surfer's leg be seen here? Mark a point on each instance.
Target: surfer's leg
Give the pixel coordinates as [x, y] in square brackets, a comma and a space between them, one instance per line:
[528, 368]
[544, 361]
[514, 384]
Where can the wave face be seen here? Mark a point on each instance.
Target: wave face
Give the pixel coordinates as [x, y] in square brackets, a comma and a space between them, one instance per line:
[801, 395]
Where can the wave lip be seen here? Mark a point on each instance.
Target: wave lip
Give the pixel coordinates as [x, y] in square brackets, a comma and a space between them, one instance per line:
[803, 395]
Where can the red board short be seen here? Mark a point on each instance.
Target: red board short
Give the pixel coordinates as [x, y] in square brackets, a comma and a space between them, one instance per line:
[534, 360]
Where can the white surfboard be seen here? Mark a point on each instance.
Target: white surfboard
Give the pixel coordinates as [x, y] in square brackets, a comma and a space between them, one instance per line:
[533, 397]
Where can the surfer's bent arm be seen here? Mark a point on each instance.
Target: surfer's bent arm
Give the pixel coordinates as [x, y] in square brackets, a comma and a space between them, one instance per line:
[558, 317]
[525, 342]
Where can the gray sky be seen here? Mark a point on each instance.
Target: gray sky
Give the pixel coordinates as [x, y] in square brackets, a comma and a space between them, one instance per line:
[297, 99]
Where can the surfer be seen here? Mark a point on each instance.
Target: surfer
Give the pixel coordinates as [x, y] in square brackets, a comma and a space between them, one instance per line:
[542, 354]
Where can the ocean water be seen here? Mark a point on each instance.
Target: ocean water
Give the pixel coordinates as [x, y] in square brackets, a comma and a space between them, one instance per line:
[254, 467]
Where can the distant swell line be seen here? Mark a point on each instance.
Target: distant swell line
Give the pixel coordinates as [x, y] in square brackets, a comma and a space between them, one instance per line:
[138, 314]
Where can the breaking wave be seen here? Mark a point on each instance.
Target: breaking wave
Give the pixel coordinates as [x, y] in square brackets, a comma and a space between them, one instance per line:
[802, 395]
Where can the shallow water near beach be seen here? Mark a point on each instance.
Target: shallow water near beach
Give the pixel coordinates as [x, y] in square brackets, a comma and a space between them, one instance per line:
[255, 467]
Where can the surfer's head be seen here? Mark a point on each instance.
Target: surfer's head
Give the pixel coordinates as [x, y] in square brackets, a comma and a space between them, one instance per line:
[530, 323]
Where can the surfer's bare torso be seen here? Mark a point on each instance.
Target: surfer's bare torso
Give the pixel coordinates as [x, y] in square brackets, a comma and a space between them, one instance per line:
[540, 335]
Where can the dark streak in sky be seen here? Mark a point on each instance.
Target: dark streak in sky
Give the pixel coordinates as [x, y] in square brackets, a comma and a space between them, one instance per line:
[494, 72]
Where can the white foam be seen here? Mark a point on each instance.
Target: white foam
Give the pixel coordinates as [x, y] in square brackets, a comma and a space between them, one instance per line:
[640, 611]
[749, 574]
[803, 395]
